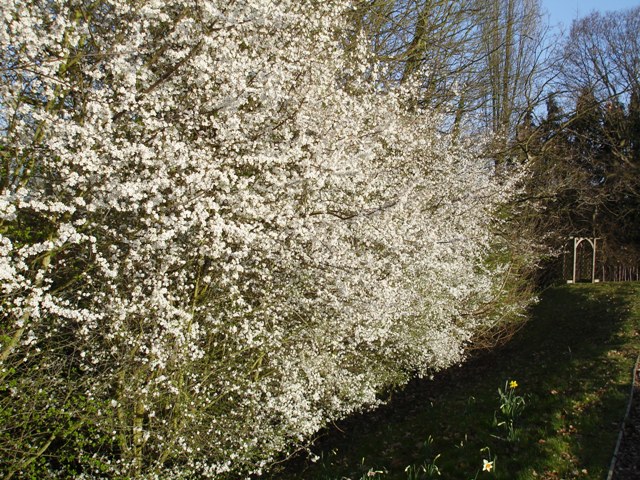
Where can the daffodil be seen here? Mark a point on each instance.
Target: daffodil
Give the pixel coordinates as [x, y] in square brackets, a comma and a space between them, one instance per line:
[487, 465]
[513, 384]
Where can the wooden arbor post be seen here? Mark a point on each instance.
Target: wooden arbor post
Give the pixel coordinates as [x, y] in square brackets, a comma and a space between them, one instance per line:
[576, 242]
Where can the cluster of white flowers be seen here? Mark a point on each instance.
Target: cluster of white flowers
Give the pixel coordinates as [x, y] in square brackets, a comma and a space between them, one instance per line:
[217, 234]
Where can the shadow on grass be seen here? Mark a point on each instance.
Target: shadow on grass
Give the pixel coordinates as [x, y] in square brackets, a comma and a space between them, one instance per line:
[572, 363]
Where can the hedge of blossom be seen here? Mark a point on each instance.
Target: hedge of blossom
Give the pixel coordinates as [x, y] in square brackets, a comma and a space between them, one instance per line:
[218, 234]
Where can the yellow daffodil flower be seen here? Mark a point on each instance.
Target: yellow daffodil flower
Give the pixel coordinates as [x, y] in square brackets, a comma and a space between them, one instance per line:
[513, 384]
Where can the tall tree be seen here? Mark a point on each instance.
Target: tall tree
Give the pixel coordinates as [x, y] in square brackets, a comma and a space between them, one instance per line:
[477, 61]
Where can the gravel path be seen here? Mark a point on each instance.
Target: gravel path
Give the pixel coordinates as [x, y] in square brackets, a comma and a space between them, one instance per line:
[627, 465]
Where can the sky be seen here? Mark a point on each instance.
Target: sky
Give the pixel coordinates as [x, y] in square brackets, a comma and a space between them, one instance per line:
[565, 11]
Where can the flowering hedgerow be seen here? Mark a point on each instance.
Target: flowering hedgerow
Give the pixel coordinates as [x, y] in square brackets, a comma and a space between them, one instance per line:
[217, 234]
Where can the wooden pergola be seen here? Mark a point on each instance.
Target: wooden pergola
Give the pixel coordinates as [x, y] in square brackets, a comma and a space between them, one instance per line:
[593, 242]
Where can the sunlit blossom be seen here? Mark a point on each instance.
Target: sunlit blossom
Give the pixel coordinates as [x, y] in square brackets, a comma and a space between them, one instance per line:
[217, 225]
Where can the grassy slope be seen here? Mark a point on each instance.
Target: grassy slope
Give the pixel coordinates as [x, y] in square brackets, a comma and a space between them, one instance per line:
[572, 362]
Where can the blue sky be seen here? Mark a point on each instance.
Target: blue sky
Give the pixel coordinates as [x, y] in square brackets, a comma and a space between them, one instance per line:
[565, 11]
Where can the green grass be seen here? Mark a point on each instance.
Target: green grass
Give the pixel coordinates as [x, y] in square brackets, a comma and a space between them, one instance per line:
[573, 364]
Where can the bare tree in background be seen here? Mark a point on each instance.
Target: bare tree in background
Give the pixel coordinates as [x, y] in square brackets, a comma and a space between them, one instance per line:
[512, 42]
[602, 56]
[480, 61]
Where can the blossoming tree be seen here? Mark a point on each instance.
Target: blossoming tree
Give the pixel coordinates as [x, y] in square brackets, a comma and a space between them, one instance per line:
[217, 234]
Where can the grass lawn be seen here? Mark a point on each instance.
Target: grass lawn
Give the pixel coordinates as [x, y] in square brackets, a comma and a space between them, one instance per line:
[572, 363]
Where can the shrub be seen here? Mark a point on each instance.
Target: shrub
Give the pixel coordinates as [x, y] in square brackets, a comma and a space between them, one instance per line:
[218, 234]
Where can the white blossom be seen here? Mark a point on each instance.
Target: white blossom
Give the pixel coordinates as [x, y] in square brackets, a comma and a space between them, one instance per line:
[219, 228]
